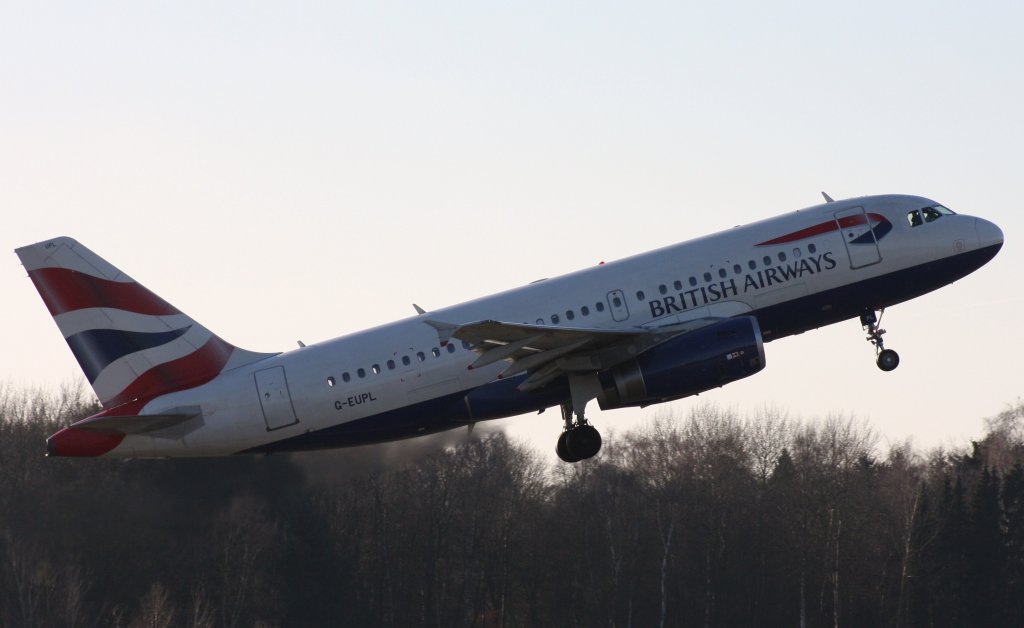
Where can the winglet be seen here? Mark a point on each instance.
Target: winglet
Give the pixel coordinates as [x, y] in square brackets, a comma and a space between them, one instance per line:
[828, 199]
[419, 310]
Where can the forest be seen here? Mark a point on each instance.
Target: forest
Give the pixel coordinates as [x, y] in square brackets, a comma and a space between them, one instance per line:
[705, 519]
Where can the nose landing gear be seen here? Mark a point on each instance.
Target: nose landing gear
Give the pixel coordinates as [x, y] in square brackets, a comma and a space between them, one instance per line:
[887, 358]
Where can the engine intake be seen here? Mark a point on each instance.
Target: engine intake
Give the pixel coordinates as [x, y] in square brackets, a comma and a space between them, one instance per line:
[686, 365]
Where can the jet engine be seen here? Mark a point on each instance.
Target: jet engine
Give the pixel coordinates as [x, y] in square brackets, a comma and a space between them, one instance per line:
[686, 365]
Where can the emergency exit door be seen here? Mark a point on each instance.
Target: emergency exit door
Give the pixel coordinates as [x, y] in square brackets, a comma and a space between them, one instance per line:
[617, 305]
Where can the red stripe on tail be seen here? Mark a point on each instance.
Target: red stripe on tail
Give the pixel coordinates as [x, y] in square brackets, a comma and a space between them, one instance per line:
[64, 290]
[192, 370]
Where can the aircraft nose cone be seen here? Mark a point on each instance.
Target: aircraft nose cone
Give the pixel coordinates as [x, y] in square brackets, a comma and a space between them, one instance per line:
[988, 233]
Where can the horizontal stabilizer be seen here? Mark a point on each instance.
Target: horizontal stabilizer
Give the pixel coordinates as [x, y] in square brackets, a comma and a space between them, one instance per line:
[138, 424]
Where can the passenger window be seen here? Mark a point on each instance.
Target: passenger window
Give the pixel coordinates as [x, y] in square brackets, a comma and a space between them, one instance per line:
[752, 265]
[663, 289]
[737, 269]
[420, 356]
[345, 377]
[693, 281]
[599, 306]
[914, 218]
[330, 381]
[405, 360]
[811, 248]
[639, 295]
[554, 319]
[782, 257]
[585, 311]
[451, 348]
[797, 253]
[569, 315]
[707, 276]
[391, 365]
[678, 285]
[361, 372]
[722, 273]
[767, 260]
[435, 352]
[540, 321]
[617, 302]
[376, 369]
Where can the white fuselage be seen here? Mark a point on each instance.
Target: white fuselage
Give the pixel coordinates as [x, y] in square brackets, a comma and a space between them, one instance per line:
[790, 286]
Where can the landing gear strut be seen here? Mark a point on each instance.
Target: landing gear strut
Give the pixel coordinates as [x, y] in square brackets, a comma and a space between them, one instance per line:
[887, 358]
[579, 440]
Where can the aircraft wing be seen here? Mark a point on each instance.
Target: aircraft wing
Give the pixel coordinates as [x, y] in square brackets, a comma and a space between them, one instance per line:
[546, 353]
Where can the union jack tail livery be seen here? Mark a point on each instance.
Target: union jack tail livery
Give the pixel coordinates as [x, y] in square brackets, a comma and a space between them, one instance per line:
[131, 344]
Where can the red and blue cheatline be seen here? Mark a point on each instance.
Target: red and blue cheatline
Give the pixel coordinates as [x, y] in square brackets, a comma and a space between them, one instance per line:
[877, 227]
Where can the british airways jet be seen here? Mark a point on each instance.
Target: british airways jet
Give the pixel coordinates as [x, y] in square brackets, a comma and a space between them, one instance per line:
[651, 328]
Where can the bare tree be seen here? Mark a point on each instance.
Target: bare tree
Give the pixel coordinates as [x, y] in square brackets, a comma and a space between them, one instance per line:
[243, 538]
[201, 611]
[155, 609]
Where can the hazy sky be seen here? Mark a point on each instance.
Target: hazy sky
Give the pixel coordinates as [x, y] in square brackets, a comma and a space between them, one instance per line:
[286, 171]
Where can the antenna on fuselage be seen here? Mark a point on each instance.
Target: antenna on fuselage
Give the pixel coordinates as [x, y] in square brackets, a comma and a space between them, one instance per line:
[828, 199]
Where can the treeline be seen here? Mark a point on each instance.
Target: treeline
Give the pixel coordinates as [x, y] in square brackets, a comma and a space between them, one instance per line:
[711, 520]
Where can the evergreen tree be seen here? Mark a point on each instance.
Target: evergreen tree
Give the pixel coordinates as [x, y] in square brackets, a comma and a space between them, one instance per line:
[1013, 572]
[985, 553]
[948, 559]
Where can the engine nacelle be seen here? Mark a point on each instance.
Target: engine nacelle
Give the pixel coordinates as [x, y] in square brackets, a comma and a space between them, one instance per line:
[686, 365]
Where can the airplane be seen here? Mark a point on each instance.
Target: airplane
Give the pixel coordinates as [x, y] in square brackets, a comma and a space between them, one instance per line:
[647, 329]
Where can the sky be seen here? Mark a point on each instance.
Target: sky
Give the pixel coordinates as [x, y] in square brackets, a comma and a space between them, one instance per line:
[299, 171]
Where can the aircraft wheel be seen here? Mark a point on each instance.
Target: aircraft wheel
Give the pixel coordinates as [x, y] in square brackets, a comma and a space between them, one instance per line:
[888, 360]
[562, 449]
[584, 442]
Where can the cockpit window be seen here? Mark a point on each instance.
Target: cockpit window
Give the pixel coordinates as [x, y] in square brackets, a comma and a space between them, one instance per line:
[935, 212]
[928, 214]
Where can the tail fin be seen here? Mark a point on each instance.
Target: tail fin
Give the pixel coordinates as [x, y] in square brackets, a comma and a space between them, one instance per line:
[132, 344]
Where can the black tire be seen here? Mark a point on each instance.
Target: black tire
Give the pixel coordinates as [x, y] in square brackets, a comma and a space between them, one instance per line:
[888, 360]
[562, 449]
[584, 442]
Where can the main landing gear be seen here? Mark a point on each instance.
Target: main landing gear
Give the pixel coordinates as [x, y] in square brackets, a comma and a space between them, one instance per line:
[887, 358]
[579, 440]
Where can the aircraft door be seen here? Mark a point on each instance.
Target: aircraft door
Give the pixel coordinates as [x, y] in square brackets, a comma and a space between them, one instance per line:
[276, 401]
[617, 305]
[858, 237]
